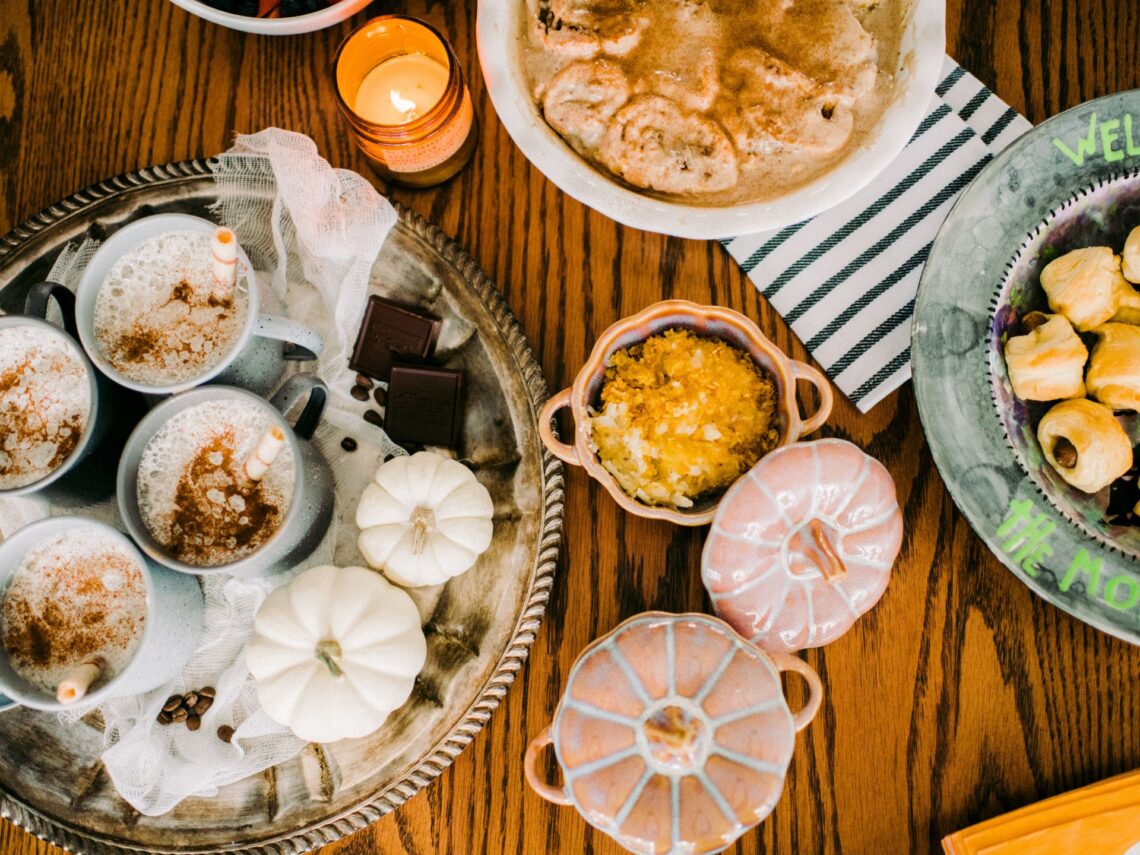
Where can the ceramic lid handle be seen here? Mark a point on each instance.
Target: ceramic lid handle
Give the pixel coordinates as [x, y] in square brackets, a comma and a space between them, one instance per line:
[551, 794]
[565, 453]
[803, 371]
[786, 662]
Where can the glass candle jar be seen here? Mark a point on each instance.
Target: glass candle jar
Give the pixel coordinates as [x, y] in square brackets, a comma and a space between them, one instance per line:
[400, 87]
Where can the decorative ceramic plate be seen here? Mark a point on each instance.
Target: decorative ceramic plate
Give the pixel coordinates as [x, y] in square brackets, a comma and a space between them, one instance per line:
[1072, 182]
[51, 779]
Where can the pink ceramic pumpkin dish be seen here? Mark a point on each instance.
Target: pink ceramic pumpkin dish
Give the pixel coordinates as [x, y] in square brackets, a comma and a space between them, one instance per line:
[673, 734]
[696, 323]
[803, 545]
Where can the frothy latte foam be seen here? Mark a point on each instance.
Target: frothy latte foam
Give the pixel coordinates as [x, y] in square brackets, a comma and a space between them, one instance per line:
[79, 595]
[160, 320]
[194, 497]
[45, 399]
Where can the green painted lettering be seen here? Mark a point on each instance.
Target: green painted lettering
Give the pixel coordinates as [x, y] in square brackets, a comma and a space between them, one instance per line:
[1083, 563]
[1031, 557]
[1129, 146]
[1019, 511]
[1131, 596]
[1108, 136]
[1085, 146]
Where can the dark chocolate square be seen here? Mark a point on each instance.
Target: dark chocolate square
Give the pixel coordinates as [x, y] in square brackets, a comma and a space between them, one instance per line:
[391, 331]
[425, 405]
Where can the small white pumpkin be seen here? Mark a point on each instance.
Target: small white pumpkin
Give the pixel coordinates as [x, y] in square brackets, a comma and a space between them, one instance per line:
[335, 651]
[425, 519]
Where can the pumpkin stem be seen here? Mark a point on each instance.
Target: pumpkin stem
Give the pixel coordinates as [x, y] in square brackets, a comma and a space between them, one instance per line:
[423, 520]
[329, 652]
[833, 569]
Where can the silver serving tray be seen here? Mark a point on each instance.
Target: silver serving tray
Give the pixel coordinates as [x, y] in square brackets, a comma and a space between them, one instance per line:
[52, 782]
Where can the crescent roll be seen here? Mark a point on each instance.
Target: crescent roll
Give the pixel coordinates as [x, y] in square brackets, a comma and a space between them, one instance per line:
[1047, 363]
[1084, 285]
[1114, 372]
[1130, 257]
[1128, 304]
[1085, 444]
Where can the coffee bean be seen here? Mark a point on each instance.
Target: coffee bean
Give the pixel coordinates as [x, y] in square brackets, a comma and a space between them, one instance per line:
[360, 393]
[180, 714]
[373, 418]
[189, 699]
[203, 704]
[364, 380]
[348, 444]
[207, 692]
[172, 703]
[225, 733]
[193, 723]
[381, 396]
[164, 717]
[1065, 453]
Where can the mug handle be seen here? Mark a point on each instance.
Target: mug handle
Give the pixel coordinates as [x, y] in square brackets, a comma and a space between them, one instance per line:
[787, 662]
[803, 371]
[564, 452]
[295, 388]
[40, 294]
[557, 795]
[6, 703]
[307, 342]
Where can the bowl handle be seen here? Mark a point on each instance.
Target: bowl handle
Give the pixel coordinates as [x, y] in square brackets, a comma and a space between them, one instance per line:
[786, 662]
[803, 371]
[565, 453]
[551, 794]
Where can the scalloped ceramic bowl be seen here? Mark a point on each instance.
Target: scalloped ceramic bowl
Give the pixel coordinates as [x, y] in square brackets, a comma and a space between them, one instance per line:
[1102, 213]
[708, 321]
[307, 23]
[499, 30]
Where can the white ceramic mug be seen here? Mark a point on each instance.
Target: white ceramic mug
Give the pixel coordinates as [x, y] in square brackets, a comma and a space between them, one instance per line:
[255, 361]
[310, 508]
[173, 627]
[88, 473]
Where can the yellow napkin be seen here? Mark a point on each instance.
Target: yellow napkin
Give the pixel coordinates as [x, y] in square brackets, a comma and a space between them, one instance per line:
[1103, 818]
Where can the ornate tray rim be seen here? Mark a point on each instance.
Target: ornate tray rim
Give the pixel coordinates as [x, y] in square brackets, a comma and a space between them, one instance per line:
[526, 626]
[1016, 192]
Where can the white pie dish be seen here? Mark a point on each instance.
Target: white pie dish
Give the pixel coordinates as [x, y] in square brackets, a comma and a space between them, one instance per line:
[501, 43]
[306, 23]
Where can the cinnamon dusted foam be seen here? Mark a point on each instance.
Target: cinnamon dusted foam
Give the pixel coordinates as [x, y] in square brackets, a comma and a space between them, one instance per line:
[194, 495]
[45, 398]
[77, 596]
[159, 317]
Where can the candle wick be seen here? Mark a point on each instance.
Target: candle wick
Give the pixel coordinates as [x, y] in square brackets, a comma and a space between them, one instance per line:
[404, 105]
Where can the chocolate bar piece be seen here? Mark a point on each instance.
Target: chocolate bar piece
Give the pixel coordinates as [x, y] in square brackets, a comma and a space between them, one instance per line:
[391, 331]
[424, 405]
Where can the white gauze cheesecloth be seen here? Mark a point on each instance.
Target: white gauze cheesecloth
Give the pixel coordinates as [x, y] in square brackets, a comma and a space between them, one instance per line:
[313, 233]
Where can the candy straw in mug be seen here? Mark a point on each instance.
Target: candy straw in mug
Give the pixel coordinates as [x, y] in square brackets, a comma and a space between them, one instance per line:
[79, 680]
[223, 251]
[268, 447]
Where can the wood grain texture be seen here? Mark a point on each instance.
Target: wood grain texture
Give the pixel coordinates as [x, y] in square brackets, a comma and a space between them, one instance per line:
[960, 696]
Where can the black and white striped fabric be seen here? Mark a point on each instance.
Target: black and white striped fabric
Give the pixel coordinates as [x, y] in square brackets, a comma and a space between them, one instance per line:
[846, 280]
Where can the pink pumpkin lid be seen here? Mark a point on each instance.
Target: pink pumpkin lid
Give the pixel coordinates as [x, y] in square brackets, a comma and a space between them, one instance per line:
[803, 545]
[673, 735]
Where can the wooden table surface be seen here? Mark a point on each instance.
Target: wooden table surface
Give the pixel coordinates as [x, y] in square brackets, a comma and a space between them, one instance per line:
[962, 695]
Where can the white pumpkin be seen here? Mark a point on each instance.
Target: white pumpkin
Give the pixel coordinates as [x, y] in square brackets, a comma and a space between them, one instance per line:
[425, 519]
[335, 651]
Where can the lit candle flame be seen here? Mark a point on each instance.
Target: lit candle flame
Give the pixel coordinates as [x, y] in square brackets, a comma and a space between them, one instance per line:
[403, 104]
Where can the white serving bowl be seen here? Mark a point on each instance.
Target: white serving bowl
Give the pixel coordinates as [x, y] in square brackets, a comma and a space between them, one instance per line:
[501, 41]
[318, 20]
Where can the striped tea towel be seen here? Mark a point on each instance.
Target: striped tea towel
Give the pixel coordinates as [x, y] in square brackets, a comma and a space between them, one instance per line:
[846, 280]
